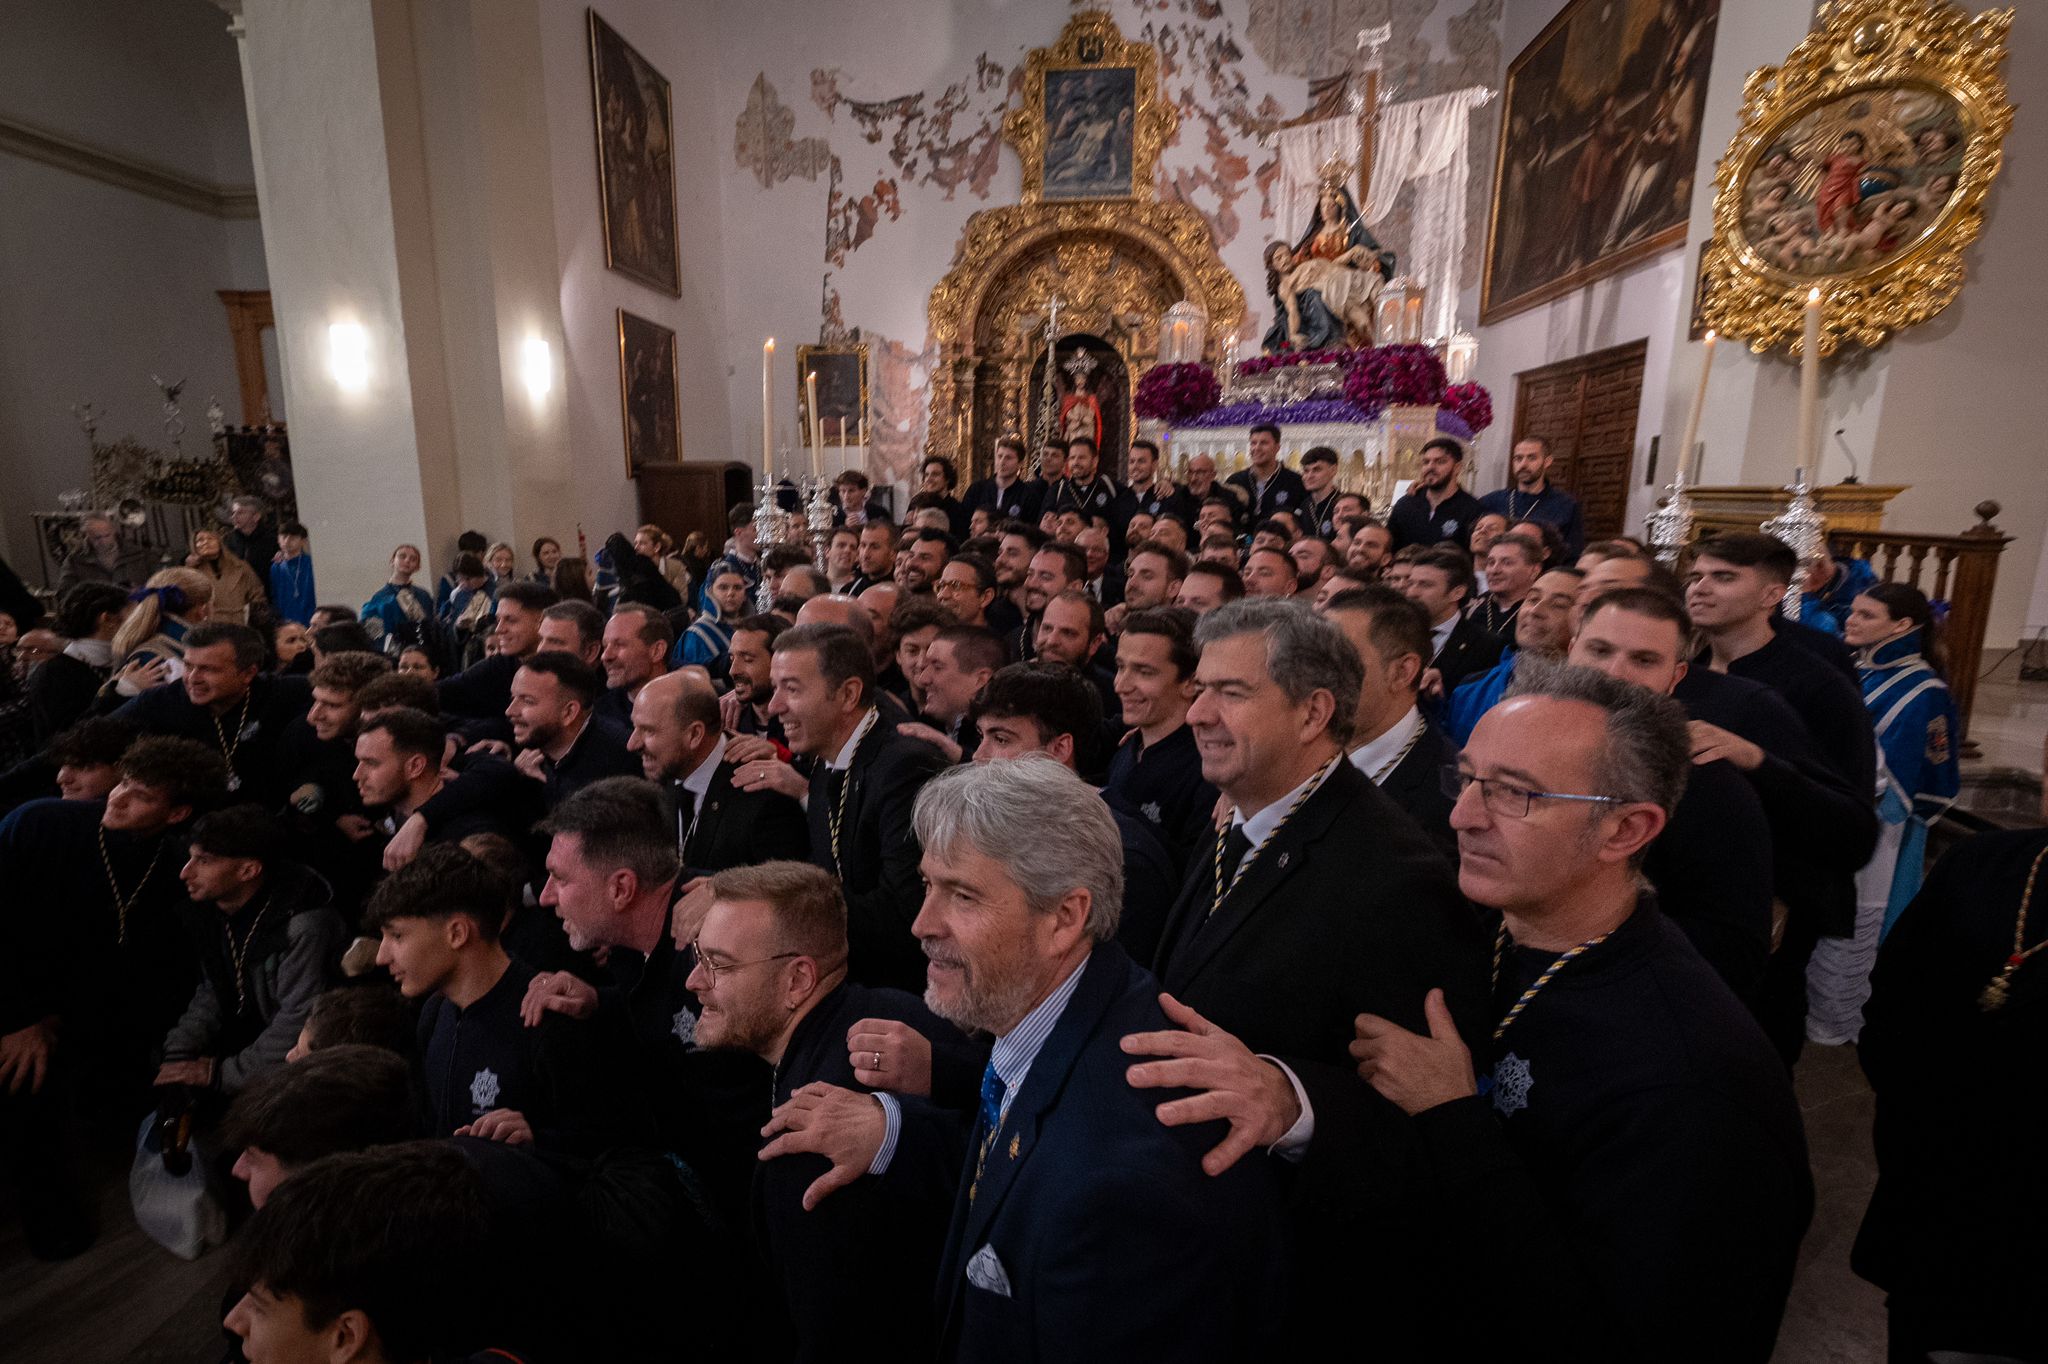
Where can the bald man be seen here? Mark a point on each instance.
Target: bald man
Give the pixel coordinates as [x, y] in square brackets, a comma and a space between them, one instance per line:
[681, 746]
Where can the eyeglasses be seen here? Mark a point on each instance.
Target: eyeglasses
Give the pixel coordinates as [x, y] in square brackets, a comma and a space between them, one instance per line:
[714, 969]
[1509, 800]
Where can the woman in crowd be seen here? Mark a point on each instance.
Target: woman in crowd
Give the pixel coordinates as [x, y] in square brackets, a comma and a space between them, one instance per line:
[1892, 628]
[150, 645]
[547, 552]
[414, 659]
[696, 556]
[658, 545]
[502, 562]
[235, 585]
[571, 579]
[293, 646]
[401, 608]
[708, 641]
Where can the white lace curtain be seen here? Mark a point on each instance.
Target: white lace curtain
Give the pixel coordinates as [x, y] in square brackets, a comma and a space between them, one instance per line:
[1423, 140]
[1304, 150]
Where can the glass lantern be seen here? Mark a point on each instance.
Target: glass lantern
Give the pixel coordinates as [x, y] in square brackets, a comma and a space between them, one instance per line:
[1461, 355]
[1398, 320]
[1182, 332]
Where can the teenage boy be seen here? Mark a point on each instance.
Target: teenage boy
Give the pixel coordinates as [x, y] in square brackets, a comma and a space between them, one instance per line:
[486, 1074]
[291, 576]
[268, 940]
[1156, 772]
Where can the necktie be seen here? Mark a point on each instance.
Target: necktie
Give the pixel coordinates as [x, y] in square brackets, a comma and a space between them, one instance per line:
[1235, 846]
[992, 1090]
[686, 817]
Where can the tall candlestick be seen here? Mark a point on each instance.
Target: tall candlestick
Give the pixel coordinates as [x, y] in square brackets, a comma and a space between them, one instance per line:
[1809, 384]
[768, 410]
[863, 431]
[1699, 403]
[817, 440]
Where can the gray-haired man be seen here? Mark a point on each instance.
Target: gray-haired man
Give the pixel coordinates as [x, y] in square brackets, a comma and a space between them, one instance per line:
[1083, 1228]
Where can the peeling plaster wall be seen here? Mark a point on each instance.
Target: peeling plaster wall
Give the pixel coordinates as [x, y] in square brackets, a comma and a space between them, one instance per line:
[862, 137]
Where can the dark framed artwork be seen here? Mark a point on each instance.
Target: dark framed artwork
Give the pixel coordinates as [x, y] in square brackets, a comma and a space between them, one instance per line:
[1091, 119]
[636, 177]
[1600, 140]
[650, 395]
[842, 391]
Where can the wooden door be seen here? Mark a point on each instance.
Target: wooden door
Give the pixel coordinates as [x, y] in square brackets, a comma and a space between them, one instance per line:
[1586, 408]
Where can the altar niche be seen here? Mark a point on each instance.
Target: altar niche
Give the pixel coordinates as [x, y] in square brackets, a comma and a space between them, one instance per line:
[1090, 396]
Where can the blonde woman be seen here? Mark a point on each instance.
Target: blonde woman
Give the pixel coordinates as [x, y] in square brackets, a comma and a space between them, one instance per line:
[658, 545]
[503, 563]
[150, 645]
[235, 584]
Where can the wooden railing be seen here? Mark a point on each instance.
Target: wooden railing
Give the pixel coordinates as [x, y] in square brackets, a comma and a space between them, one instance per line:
[1965, 572]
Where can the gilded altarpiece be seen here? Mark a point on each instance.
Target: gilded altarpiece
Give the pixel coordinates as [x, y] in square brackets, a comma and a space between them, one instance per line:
[1114, 264]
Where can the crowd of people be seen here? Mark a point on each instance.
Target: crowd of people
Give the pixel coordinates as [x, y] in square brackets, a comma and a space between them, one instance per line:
[1077, 918]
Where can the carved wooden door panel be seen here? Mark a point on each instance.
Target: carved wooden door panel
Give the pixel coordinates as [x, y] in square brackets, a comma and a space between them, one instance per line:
[1586, 408]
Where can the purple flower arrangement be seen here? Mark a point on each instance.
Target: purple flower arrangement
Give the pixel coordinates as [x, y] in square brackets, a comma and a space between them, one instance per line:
[1390, 376]
[1176, 393]
[1376, 379]
[1307, 410]
[1472, 403]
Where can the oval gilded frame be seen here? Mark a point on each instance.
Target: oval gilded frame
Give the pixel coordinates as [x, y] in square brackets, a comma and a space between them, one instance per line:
[1862, 46]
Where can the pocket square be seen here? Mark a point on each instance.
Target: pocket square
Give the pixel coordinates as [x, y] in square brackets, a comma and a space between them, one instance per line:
[986, 1271]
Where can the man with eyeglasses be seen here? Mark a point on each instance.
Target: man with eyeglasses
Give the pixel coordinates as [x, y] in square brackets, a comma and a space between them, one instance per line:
[1623, 1166]
[614, 880]
[771, 975]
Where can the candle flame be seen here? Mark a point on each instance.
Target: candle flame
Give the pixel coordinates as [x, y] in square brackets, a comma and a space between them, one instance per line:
[1813, 294]
[769, 344]
[1710, 333]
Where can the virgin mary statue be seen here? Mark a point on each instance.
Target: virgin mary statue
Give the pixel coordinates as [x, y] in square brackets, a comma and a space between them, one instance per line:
[1325, 285]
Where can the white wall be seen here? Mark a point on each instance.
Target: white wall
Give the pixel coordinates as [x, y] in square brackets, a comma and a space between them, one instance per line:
[101, 287]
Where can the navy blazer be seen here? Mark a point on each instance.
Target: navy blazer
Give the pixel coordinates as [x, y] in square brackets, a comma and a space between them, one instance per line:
[1115, 1244]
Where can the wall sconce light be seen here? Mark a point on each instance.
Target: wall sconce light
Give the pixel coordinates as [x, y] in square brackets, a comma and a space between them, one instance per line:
[536, 367]
[348, 355]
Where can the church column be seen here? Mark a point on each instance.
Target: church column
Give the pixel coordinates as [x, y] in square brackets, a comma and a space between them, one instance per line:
[351, 285]
[404, 175]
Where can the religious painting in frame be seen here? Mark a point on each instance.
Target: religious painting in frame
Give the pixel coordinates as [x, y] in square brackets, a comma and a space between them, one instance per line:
[842, 391]
[650, 393]
[1091, 122]
[1860, 169]
[1600, 137]
[635, 161]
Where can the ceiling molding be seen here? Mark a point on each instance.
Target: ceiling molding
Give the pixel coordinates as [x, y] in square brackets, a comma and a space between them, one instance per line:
[126, 172]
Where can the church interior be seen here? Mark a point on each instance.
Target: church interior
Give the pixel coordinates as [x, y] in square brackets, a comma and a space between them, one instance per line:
[553, 269]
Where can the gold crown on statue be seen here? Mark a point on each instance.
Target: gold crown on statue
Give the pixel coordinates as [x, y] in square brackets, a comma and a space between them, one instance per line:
[1336, 171]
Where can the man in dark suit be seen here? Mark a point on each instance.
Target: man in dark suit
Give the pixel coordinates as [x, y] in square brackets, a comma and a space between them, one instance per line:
[1399, 748]
[1084, 1228]
[1281, 940]
[860, 791]
[1440, 582]
[771, 970]
[1268, 486]
[676, 733]
[563, 743]
[614, 881]
[227, 703]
